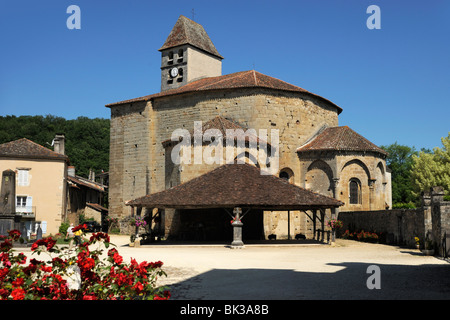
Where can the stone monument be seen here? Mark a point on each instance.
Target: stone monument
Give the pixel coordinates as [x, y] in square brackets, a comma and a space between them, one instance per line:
[237, 230]
[8, 201]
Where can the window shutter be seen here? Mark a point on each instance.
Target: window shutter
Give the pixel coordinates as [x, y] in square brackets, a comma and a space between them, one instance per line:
[44, 227]
[29, 205]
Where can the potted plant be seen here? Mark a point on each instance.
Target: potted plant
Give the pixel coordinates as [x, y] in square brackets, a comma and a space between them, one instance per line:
[417, 241]
[334, 224]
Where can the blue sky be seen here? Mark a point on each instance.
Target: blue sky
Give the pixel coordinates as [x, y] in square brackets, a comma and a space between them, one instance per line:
[393, 83]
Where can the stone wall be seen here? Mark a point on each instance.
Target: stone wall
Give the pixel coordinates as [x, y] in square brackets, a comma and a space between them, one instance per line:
[401, 226]
[129, 155]
[398, 226]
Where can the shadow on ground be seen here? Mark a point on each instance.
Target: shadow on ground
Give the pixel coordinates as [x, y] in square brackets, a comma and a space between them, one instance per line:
[397, 282]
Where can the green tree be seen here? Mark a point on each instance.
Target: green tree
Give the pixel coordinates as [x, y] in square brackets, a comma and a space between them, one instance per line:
[432, 169]
[399, 161]
[87, 140]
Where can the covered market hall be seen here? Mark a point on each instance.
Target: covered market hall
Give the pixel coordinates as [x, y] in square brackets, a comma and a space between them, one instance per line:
[230, 203]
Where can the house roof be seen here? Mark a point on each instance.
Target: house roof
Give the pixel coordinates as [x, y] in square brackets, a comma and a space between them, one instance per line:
[223, 124]
[243, 79]
[190, 32]
[236, 185]
[340, 139]
[97, 207]
[80, 181]
[24, 148]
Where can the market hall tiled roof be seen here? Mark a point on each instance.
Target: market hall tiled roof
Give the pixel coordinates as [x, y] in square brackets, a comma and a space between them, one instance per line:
[237, 185]
[243, 79]
[24, 148]
[340, 139]
[190, 32]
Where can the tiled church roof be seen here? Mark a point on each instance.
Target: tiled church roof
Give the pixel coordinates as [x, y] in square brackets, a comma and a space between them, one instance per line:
[243, 79]
[24, 148]
[190, 32]
[340, 139]
[237, 185]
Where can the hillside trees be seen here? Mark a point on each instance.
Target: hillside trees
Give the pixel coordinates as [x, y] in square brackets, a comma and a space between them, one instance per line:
[87, 140]
[400, 161]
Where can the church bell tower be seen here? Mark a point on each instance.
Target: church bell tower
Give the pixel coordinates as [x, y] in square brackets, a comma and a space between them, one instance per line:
[188, 54]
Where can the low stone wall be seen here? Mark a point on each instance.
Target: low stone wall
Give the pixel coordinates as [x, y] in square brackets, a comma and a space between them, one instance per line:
[398, 226]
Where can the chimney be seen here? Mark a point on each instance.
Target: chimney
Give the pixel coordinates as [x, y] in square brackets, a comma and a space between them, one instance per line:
[91, 175]
[59, 143]
[71, 171]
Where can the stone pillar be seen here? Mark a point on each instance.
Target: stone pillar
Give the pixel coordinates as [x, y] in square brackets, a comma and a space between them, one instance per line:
[427, 216]
[440, 220]
[8, 193]
[237, 229]
[7, 202]
[372, 194]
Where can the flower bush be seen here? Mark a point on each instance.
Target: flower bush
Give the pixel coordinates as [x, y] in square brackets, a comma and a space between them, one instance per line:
[361, 236]
[334, 224]
[234, 220]
[138, 222]
[77, 274]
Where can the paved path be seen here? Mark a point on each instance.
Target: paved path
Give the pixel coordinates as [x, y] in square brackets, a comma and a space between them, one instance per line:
[291, 272]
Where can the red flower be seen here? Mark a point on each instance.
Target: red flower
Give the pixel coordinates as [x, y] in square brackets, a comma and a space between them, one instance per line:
[6, 245]
[14, 234]
[47, 242]
[99, 236]
[4, 257]
[114, 254]
[138, 287]
[4, 294]
[3, 273]
[18, 294]
[18, 282]
[79, 227]
[157, 264]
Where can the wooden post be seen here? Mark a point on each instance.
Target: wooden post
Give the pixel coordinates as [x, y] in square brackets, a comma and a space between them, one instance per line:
[289, 225]
[314, 224]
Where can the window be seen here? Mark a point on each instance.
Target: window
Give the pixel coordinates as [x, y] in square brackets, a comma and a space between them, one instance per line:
[180, 55]
[23, 178]
[180, 75]
[21, 202]
[170, 60]
[286, 174]
[24, 204]
[355, 191]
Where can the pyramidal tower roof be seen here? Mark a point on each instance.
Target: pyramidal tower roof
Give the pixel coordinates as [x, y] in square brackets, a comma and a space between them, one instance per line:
[190, 32]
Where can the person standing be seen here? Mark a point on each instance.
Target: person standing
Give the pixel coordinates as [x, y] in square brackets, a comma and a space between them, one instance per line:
[70, 235]
[77, 235]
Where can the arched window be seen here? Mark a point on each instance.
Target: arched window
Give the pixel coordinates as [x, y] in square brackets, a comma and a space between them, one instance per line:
[286, 174]
[355, 191]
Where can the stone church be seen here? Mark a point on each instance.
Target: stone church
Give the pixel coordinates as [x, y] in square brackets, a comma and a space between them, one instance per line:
[312, 151]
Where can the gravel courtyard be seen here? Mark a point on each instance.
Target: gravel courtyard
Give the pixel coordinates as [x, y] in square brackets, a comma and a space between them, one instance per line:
[292, 272]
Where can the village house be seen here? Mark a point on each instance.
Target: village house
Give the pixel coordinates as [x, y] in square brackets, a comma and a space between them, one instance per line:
[47, 191]
[41, 176]
[85, 197]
